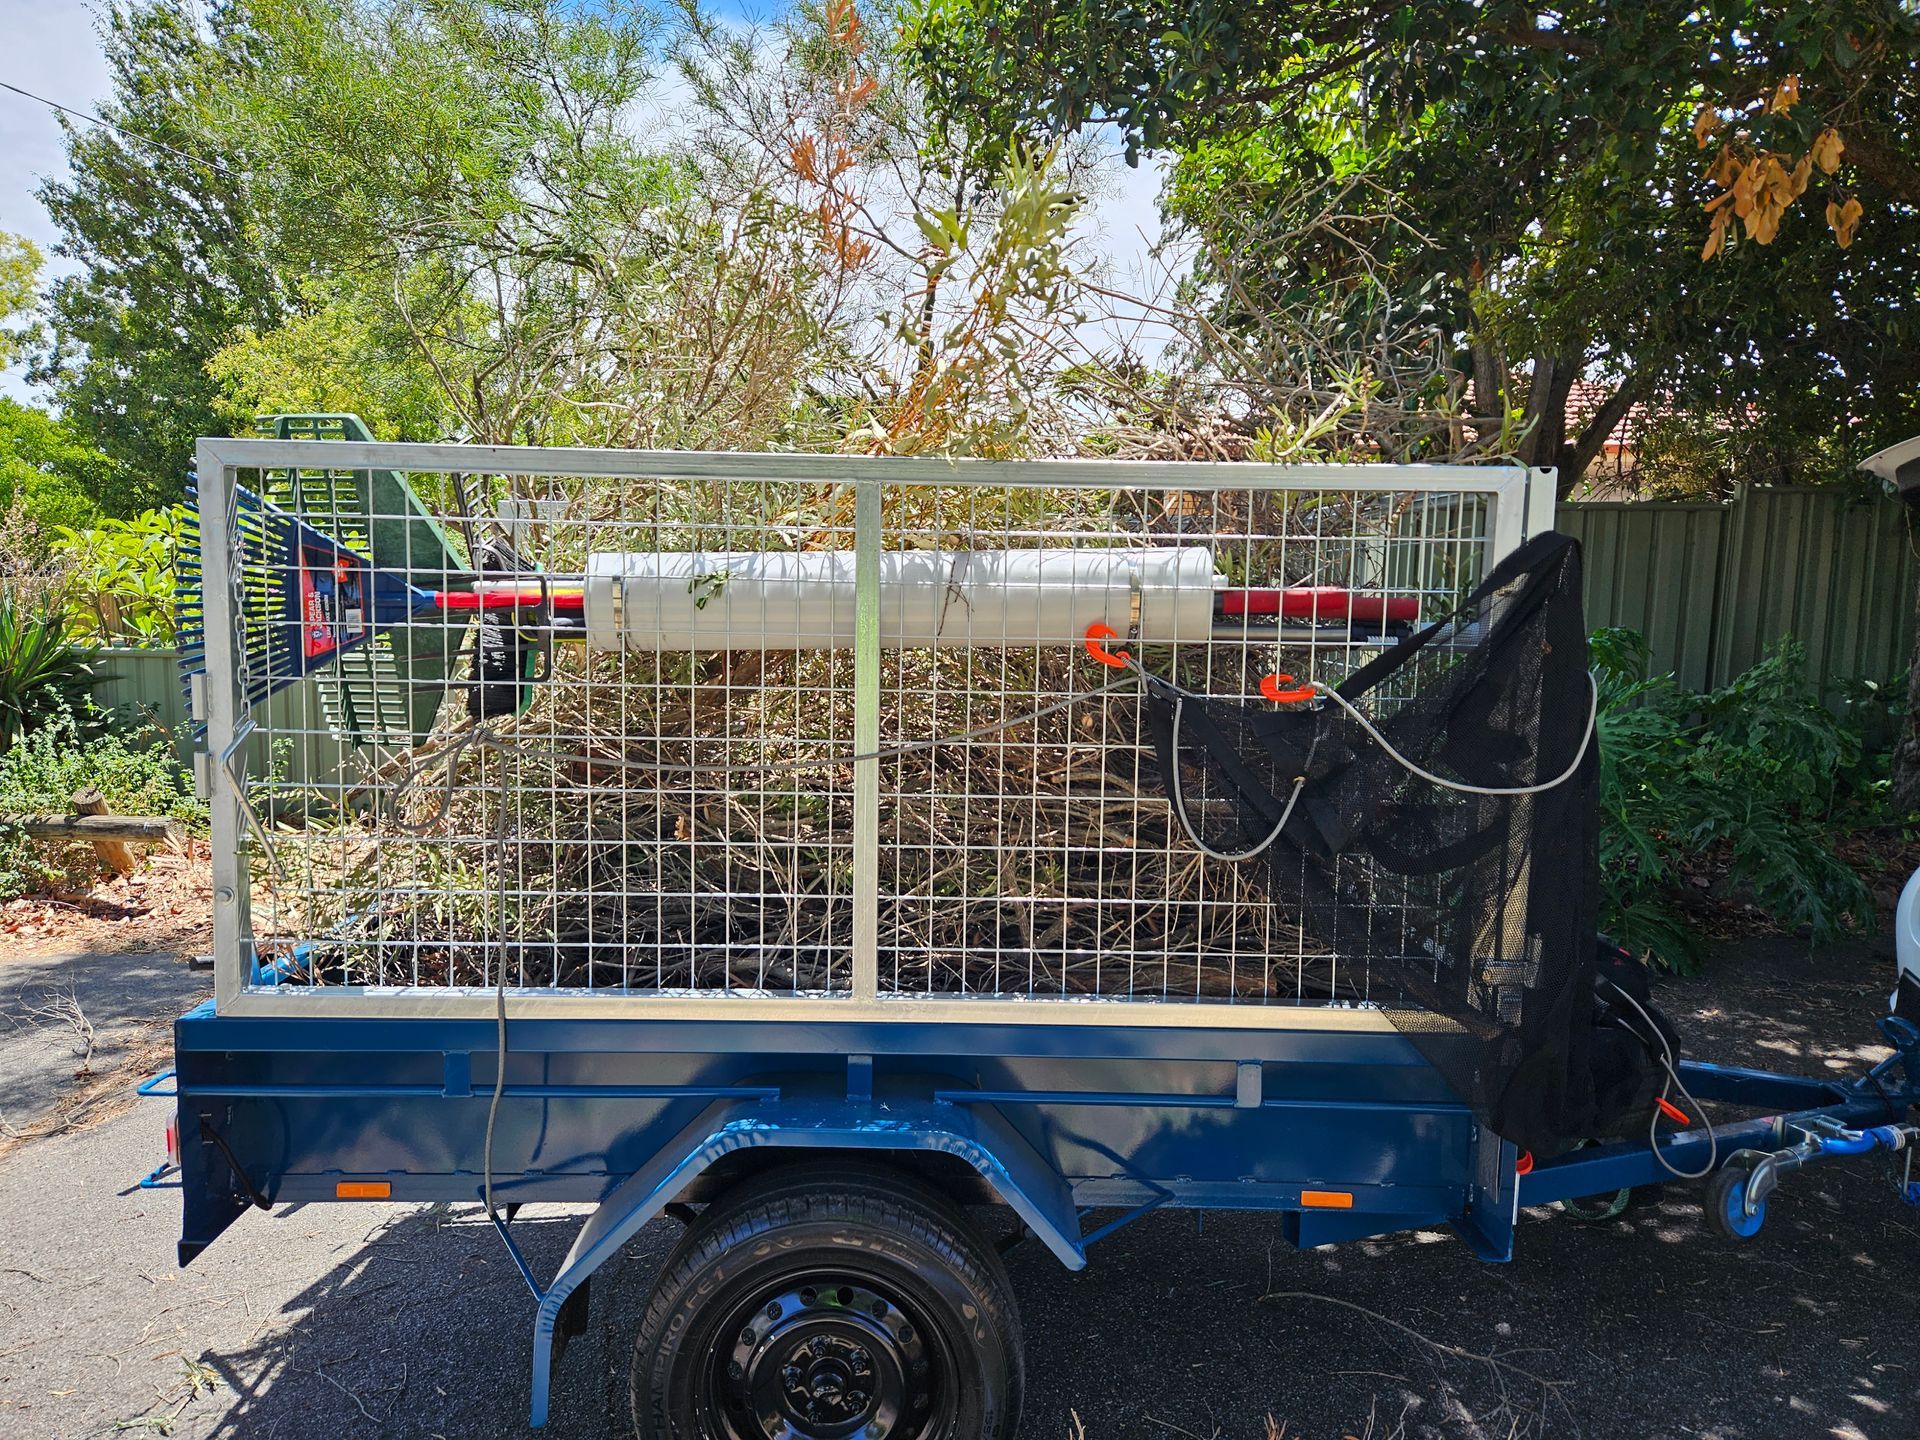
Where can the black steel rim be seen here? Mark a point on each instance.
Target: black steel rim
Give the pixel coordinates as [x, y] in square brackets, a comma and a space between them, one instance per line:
[828, 1357]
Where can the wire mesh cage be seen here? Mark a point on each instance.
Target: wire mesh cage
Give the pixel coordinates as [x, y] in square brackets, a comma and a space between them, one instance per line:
[661, 729]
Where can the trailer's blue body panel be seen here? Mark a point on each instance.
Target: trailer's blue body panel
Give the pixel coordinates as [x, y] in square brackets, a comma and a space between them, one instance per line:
[1125, 1115]
[1343, 1133]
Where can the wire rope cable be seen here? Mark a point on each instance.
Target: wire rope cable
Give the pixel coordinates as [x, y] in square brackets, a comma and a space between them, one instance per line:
[1497, 791]
[1177, 795]
[1668, 1062]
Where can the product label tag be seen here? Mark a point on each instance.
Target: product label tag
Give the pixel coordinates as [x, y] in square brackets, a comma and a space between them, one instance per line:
[332, 601]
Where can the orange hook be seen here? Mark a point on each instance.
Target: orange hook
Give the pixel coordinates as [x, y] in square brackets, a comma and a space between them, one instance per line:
[1524, 1165]
[1270, 688]
[1097, 632]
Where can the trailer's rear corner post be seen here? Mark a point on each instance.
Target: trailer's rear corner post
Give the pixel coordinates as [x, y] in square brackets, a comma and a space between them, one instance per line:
[223, 718]
[1493, 1200]
[1543, 499]
[978, 1136]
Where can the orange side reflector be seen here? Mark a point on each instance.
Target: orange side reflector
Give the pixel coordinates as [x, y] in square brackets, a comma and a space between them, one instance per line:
[363, 1190]
[1327, 1199]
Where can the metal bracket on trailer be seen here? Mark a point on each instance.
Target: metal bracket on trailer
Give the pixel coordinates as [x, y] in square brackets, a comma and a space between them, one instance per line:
[1493, 1200]
[979, 1136]
[1831, 1118]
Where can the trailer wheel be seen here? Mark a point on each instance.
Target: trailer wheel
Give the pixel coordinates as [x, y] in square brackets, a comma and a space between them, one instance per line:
[829, 1302]
[1726, 1204]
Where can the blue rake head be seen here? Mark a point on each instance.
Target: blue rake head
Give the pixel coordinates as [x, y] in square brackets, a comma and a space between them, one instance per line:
[305, 599]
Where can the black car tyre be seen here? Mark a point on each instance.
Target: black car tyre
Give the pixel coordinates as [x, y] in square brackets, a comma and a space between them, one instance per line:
[829, 1301]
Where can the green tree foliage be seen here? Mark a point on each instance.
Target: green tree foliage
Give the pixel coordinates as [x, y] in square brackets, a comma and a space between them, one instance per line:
[1541, 182]
[460, 172]
[492, 247]
[49, 475]
[333, 355]
[159, 220]
[20, 262]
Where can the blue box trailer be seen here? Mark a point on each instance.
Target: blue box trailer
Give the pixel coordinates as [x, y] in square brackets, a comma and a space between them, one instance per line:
[638, 885]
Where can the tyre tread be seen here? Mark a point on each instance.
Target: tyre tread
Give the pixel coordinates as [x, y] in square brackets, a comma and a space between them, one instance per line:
[810, 1193]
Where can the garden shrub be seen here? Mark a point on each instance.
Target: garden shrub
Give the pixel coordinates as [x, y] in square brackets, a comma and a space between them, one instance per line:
[1755, 772]
[43, 674]
[118, 579]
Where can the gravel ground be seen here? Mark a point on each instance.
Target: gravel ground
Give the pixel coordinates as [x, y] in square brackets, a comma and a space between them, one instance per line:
[337, 1321]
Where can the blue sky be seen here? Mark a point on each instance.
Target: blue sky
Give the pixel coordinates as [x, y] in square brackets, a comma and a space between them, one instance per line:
[52, 49]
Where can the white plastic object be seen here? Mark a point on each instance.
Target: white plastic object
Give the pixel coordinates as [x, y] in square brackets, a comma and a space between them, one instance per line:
[781, 600]
[1899, 466]
[1906, 932]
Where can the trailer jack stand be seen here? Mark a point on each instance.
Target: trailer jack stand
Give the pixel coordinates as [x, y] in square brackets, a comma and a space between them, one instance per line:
[1736, 1202]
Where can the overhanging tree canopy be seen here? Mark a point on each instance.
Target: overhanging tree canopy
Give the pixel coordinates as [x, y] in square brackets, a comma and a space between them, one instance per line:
[1550, 171]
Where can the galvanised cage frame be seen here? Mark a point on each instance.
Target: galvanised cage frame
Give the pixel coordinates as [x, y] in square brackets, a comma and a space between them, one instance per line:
[1504, 504]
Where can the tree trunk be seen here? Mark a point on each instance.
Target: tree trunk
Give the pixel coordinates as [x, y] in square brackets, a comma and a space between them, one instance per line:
[1906, 751]
[1546, 412]
[1581, 452]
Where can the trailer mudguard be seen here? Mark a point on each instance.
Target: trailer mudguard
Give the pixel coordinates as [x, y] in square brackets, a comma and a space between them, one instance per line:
[977, 1135]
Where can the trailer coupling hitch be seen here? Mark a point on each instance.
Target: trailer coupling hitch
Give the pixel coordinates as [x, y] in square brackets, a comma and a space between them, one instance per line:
[1750, 1176]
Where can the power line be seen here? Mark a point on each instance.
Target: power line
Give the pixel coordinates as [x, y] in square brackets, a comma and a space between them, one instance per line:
[120, 130]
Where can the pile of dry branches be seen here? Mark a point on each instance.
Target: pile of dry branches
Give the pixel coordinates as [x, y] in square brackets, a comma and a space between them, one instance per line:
[686, 821]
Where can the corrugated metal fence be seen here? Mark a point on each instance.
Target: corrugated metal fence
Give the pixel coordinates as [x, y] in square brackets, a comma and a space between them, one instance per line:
[1712, 586]
[143, 687]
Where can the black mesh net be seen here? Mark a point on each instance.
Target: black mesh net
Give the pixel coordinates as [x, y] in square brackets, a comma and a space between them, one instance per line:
[1469, 918]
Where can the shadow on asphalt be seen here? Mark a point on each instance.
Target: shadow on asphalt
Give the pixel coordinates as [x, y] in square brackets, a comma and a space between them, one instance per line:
[118, 995]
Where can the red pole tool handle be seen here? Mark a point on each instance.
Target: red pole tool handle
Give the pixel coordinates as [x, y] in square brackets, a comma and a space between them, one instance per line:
[1319, 602]
[524, 596]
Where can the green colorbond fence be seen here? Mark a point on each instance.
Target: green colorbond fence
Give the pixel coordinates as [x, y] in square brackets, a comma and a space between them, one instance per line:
[1712, 586]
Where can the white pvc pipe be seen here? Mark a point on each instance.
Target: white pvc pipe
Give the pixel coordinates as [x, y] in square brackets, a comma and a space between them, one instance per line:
[720, 600]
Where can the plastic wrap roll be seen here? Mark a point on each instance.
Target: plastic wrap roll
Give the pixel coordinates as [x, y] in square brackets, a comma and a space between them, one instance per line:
[721, 600]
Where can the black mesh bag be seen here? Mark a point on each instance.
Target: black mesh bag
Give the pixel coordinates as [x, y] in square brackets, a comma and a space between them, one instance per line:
[1470, 919]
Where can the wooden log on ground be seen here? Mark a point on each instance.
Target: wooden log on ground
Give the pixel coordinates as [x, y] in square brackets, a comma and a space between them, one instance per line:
[121, 832]
[117, 855]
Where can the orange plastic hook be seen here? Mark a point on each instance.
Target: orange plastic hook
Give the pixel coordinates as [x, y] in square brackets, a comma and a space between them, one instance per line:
[1270, 688]
[1524, 1165]
[1097, 632]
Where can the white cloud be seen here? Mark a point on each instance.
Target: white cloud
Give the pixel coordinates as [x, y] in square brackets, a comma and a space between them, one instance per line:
[53, 50]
